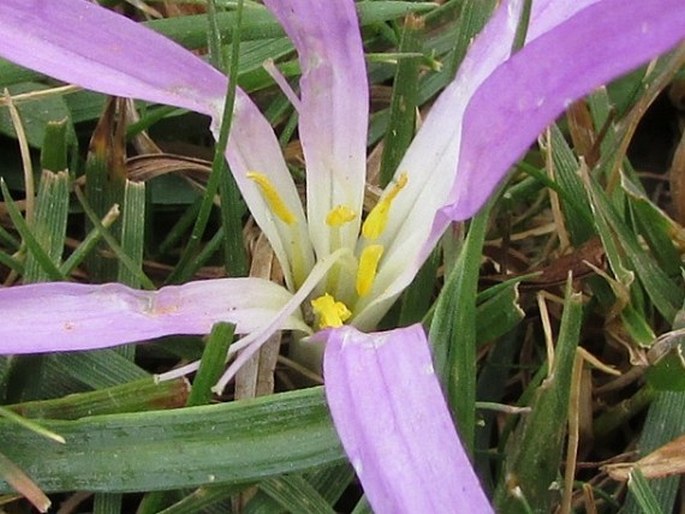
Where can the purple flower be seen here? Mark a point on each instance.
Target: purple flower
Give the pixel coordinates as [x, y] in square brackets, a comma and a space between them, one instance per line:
[381, 388]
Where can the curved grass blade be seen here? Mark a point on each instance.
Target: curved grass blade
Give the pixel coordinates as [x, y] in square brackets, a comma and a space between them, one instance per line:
[233, 443]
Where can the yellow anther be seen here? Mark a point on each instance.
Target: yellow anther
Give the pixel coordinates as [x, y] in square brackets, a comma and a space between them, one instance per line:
[368, 266]
[375, 222]
[272, 197]
[340, 215]
[329, 312]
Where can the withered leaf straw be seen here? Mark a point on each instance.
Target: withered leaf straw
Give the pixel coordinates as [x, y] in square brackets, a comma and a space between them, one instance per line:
[383, 394]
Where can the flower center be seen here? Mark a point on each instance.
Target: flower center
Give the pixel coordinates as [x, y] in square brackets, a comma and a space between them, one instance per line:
[330, 312]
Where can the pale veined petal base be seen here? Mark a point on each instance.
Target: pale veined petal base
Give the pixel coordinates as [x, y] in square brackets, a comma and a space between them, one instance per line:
[64, 316]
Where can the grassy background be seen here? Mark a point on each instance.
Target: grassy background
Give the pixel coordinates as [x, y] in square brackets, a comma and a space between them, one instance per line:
[556, 313]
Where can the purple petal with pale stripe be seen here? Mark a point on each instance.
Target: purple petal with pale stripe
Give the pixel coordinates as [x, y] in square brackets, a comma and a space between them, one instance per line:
[60, 316]
[533, 87]
[79, 42]
[392, 419]
[334, 109]
[497, 127]
[430, 163]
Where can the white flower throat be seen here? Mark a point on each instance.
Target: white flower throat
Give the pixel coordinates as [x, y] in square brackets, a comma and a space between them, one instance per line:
[336, 303]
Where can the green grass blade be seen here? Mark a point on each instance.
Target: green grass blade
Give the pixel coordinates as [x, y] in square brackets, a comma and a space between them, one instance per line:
[217, 177]
[473, 16]
[212, 363]
[330, 482]
[656, 228]
[199, 499]
[574, 198]
[418, 297]
[404, 101]
[665, 294]
[134, 396]
[49, 224]
[34, 247]
[121, 256]
[105, 172]
[107, 503]
[238, 442]
[644, 496]
[295, 494]
[190, 31]
[28, 424]
[362, 507]
[453, 330]
[54, 151]
[535, 456]
[132, 244]
[665, 421]
[98, 369]
[133, 232]
[499, 314]
[89, 243]
[235, 257]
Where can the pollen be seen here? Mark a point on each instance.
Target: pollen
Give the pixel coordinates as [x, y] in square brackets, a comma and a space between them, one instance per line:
[368, 267]
[272, 197]
[330, 313]
[375, 222]
[340, 215]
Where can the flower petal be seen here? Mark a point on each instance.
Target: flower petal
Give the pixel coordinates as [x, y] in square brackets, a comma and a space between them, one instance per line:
[79, 42]
[253, 147]
[430, 163]
[334, 109]
[499, 126]
[533, 87]
[60, 316]
[392, 419]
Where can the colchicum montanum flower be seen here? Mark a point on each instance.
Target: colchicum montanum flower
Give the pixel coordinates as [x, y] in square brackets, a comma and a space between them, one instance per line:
[343, 269]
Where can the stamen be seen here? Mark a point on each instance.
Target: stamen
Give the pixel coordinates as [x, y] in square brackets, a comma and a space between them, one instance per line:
[282, 83]
[375, 222]
[330, 313]
[336, 218]
[340, 215]
[272, 197]
[368, 266]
